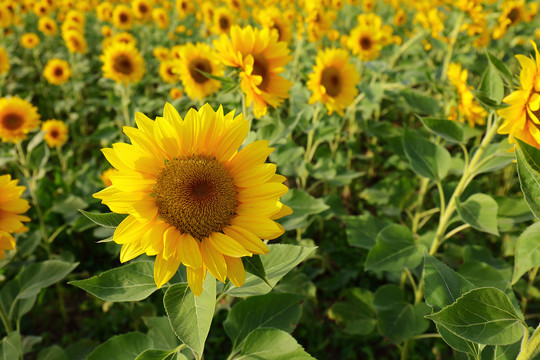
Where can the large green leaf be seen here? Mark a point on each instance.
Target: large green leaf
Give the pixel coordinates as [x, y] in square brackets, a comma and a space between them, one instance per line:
[426, 158]
[160, 332]
[253, 265]
[491, 84]
[10, 347]
[109, 220]
[479, 211]
[395, 250]
[272, 344]
[122, 347]
[132, 282]
[40, 275]
[191, 316]
[303, 206]
[362, 230]
[484, 315]
[280, 311]
[355, 314]
[420, 102]
[501, 68]
[54, 352]
[154, 354]
[279, 261]
[527, 253]
[447, 129]
[528, 164]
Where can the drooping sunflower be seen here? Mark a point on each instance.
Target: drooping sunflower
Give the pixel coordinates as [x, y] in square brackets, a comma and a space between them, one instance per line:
[122, 17]
[195, 57]
[333, 81]
[522, 117]
[123, 63]
[4, 61]
[17, 118]
[57, 71]
[11, 208]
[75, 41]
[47, 26]
[29, 40]
[192, 197]
[261, 58]
[56, 132]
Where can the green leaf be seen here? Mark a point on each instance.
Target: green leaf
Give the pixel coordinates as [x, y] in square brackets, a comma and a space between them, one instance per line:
[122, 347]
[420, 102]
[279, 261]
[484, 315]
[191, 316]
[447, 129]
[132, 282]
[501, 68]
[457, 342]
[10, 347]
[395, 250]
[528, 164]
[35, 141]
[491, 84]
[109, 220]
[496, 156]
[41, 275]
[479, 211]
[482, 274]
[54, 352]
[362, 230]
[397, 319]
[79, 350]
[527, 254]
[160, 332]
[303, 205]
[253, 265]
[443, 286]
[272, 344]
[279, 311]
[426, 158]
[154, 354]
[356, 314]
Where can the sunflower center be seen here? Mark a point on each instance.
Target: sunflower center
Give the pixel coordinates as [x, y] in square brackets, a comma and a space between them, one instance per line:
[12, 121]
[260, 68]
[54, 133]
[365, 42]
[514, 15]
[58, 71]
[143, 9]
[224, 23]
[196, 195]
[123, 18]
[331, 80]
[200, 64]
[123, 64]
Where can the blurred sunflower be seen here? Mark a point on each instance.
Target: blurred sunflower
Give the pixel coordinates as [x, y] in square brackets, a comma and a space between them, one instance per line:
[57, 71]
[223, 20]
[104, 11]
[522, 117]
[76, 17]
[195, 57]
[47, 26]
[123, 63]
[273, 18]
[192, 197]
[56, 132]
[184, 8]
[333, 81]
[11, 208]
[261, 58]
[166, 71]
[75, 41]
[29, 40]
[161, 18]
[6, 17]
[17, 118]
[142, 9]
[365, 39]
[4, 61]
[122, 17]
[175, 93]
[161, 53]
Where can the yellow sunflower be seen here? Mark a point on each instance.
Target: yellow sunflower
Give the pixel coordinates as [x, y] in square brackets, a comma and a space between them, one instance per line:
[4, 61]
[122, 17]
[261, 58]
[166, 71]
[104, 11]
[57, 71]
[194, 57]
[11, 208]
[142, 9]
[161, 17]
[223, 20]
[6, 17]
[47, 26]
[273, 18]
[56, 132]
[192, 197]
[29, 40]
[175, 93]
[522, 117]
[333, 81]
[17, 118]
[75, 41]
[161, 53]
[184, 8]
[123, 63]
[365, 40]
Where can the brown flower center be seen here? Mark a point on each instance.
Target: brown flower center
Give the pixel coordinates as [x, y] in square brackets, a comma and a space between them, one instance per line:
[143, 9]
[196, 195]
[260, 67]
[365, 42]
[514, 15]
[54, 133]
[224, 23]
[331, 80]
[200, 64]
[58, 71]
[123, 64]
[12, 121]
[123, 17]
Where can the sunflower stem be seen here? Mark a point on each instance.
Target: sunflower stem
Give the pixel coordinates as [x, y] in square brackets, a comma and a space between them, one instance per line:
[5, 320]
[125, 104]
[61, 159]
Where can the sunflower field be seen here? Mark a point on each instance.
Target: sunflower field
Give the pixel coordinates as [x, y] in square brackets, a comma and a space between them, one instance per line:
[269, 179]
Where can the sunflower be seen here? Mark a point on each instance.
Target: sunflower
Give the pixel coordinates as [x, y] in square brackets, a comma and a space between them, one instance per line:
[142, 9]
[47, 26]
[75, 41]
[77, 17]
[192, 197]
[56, 132]
[6, 17]
[57, 71]
[161, 53]
[17, 118]
[11, 208]
[223, 20]
[123, 63]
[166, 71]
[41, 9]
[333, 80]
[195, 57]
[29, 40]
[261, 58]
[273, 18]
[122, 17]
[175, 93]
[4, 61]
[104, 11]
[365, 39]
[184, 8]
[161, 17]
[512, 13]
[522, 117]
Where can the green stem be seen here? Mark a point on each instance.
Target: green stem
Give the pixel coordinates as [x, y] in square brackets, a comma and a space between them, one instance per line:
[5, 320]
[450, 47]
[311, 133]
[420, 35]
[125, 105]
[405, 350]
[61, 159]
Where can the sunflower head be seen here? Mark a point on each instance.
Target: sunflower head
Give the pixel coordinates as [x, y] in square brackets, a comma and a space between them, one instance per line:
[123, 63]
[161, 17]
[167, 71]
[29, 40]
[223, 20]
[17, 118]
[175, 93]
[192, 197]
[57, 71]
[142, 9]
[75, 41]
[48, 26]
[11, 208]
[122, 17]
[56, 132]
